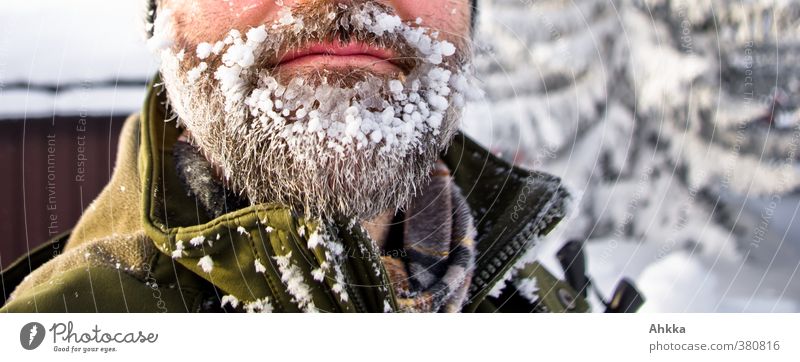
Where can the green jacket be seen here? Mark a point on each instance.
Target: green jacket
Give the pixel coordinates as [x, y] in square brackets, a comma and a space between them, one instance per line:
[118, 258]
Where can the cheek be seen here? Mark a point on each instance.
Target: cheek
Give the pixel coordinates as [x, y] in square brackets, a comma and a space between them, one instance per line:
[210, 20]
[450, 17]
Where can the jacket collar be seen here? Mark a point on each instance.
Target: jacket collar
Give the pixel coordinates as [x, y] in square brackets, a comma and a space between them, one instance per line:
[512, 206]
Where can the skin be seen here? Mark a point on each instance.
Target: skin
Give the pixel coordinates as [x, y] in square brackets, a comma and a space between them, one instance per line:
[210, 20]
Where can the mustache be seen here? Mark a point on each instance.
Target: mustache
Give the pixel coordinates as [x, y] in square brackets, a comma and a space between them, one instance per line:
[403, 55]
[327, 22]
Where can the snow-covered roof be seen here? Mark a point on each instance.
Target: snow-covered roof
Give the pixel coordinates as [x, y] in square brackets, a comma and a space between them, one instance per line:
[69, 56]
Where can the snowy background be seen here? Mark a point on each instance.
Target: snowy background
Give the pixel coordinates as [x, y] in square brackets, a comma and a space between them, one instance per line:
[63, 57]
[674, 122]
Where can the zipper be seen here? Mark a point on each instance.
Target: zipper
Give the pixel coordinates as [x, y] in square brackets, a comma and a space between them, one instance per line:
[501, 261]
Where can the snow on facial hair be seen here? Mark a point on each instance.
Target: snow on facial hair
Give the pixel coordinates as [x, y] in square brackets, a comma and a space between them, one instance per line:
[331, 142]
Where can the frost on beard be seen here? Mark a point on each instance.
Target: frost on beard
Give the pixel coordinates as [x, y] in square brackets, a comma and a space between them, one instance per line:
[373, 133]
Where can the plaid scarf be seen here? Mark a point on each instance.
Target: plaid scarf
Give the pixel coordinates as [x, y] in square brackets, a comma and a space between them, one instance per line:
[432, 269]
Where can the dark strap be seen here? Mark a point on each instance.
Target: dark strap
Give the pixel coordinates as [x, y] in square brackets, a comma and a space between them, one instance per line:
[13, 276]
[626, 298]
[573, 262]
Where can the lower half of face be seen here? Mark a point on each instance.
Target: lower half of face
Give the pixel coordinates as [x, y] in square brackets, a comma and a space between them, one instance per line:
[338, 108]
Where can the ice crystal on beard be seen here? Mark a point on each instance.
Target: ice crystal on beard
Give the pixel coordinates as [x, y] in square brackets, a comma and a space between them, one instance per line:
[239, 54]
[203, 50]
[292, 277]
[195, 73]
[385, 23]
[285, 16]
[229, 300]
[396, 87]
[218, 47]
[206, 263]
[256, 35]
[163, 32]
[242, 231]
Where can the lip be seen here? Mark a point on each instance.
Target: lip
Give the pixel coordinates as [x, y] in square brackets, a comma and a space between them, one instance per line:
[337, 54]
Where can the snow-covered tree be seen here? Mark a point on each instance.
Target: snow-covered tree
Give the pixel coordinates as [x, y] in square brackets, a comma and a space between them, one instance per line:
[676, 126]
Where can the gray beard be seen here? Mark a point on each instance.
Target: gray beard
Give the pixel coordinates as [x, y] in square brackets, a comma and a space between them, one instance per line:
[322, 172]
[306, 174]
[302, 170]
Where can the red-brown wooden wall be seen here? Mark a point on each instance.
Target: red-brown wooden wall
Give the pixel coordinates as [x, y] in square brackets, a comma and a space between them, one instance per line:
[43, 185]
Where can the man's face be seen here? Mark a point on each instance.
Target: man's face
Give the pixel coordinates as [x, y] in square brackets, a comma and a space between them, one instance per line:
[339, 108]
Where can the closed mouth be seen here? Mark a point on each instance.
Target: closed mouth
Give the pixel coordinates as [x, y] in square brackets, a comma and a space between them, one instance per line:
[337, 54]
